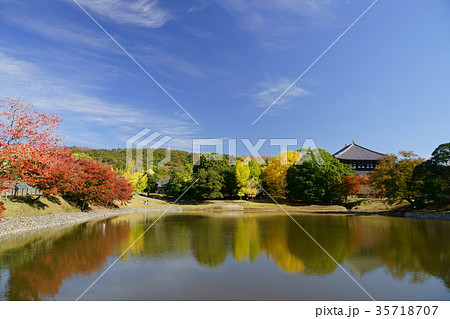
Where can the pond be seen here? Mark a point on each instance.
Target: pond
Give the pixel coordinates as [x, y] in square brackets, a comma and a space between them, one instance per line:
[232, 256]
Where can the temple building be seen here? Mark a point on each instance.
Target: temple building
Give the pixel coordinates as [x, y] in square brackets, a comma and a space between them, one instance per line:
[362, 159]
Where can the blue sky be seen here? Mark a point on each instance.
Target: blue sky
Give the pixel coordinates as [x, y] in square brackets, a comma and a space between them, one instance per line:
[385, 83]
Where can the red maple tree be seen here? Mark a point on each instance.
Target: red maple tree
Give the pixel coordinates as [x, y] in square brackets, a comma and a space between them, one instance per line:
[95, 183]
[30, 152]
[24, 133]
[350, 185]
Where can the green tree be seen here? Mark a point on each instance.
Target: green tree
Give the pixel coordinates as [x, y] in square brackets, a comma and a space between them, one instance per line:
[255, 171]
[152, 183]
[392, 177]
[209, 184]
[117, 157]
[219, 164]
[180, 178]
[432, 177]
[313, 181]
[441, 155]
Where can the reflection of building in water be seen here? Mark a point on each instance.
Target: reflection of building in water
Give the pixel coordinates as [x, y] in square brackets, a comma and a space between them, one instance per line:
[362, 159]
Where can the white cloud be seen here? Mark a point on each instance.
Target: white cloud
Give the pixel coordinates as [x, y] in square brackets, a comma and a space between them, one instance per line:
[143, 13]
[55, 28]
[14, 67]
[167, 64]
[270, 91]
[278, 22]
[197, 6]
[303, 7]
[81, 111]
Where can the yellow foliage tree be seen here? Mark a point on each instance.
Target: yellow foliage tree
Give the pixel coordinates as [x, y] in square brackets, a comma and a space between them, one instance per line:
[242, 177]
[251, 191]
[274, 174]
[82, 156]
[244, 180]
[137, 179]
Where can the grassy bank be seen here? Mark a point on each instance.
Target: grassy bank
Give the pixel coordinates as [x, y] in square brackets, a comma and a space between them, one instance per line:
[32, 206]
[23, 206]
[158, 200]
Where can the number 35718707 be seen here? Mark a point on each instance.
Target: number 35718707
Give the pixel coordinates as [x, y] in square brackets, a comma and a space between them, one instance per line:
[406, 310]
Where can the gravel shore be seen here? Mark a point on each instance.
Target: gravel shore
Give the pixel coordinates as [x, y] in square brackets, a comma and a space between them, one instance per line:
[13, 227]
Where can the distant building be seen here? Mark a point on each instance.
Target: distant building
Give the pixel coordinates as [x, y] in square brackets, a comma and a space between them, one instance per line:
[161, 187]
[362, 159]
[21, 189]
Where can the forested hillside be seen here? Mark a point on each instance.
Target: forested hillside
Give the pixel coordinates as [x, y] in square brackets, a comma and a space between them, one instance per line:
[117, 156]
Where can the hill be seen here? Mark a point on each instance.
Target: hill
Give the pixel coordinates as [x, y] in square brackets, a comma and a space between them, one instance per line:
[117, 157]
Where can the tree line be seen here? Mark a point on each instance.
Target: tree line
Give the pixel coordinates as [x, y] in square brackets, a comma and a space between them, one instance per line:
[407, 177]
[311, 181]
[30, 151]
[298, 175]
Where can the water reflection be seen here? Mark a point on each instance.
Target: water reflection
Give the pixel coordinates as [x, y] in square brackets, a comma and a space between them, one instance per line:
[35, 268]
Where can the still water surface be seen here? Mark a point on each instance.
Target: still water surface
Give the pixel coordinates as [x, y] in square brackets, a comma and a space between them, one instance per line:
[232, 256]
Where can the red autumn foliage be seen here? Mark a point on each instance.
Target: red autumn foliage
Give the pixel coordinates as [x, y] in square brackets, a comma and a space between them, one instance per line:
[45, 169]
[21, 124]
[363, 179]
[29, 152]
[95, 183]
[83, 182]
[350, 185]
[24, 132]
[66, 257]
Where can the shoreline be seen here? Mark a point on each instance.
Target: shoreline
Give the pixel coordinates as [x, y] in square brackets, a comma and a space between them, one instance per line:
[17, 227]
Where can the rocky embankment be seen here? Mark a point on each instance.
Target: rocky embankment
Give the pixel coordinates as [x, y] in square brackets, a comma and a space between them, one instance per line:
[12, 227]
[428, 216]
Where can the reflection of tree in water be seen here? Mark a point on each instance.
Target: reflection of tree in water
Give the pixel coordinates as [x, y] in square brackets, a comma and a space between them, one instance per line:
[332, 234]
[415, 246]
[210, 241]
[247, 241]
[78, 252]
[405, 247]
[169, 237]
[275, 244]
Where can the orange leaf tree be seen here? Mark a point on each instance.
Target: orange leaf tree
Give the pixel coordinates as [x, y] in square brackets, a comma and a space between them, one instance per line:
[350, 185]
[24, 133]
[30, 152]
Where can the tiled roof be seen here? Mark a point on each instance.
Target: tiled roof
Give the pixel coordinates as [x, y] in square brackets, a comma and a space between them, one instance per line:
[356, 152]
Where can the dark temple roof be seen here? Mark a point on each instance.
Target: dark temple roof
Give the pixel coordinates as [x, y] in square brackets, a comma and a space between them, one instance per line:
[356, 152]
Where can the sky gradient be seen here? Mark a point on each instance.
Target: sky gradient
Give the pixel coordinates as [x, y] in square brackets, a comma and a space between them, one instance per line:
[384, 84]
